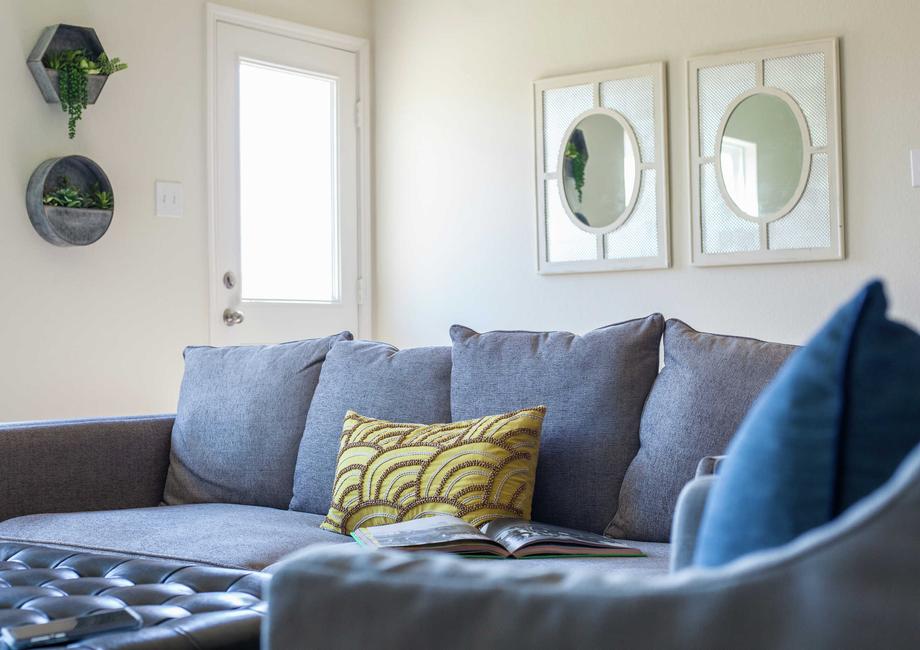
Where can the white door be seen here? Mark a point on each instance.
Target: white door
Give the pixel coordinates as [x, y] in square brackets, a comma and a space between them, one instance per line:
[285, 188]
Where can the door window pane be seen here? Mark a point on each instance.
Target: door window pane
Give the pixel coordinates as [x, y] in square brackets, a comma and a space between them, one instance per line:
[288, 230]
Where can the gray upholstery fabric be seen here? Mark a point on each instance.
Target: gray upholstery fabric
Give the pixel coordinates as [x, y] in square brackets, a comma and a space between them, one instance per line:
[241, 416]
[62, 466]
[706, 387]
[377, 381]
[688, 515]
[849, 584]
[593, 386]
[220, 534]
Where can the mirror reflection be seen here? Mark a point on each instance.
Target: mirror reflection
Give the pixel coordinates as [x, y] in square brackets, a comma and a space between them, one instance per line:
[599, 170]
[762, 154]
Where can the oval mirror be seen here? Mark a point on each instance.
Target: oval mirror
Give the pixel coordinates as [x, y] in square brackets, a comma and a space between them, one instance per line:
[600, 169]
[762, 155]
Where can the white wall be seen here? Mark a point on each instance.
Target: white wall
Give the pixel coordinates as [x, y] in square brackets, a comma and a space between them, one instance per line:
[455, 225]
[100, 330]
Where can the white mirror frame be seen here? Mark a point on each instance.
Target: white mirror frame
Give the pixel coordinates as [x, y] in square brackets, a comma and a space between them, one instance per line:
[637, 164]
[656, 72]
[835, 251]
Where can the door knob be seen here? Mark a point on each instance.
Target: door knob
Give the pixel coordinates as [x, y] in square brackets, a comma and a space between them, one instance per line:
[233, 317]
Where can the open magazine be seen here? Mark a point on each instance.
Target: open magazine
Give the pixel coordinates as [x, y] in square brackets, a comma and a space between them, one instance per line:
[502, 538]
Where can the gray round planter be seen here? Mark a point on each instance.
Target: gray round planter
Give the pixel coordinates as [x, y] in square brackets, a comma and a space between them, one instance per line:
[67, 226]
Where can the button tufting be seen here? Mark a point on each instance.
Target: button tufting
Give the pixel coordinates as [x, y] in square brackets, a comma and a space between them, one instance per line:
[150, 594]
[88, 586]
[189, 606]
[64, 606]
[35, 577]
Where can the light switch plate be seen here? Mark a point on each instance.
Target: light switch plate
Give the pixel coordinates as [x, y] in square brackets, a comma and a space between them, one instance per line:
[169, 199]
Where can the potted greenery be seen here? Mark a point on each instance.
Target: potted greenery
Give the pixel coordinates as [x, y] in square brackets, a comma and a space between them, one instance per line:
[70, 201]
[79, 79]
[67, 195]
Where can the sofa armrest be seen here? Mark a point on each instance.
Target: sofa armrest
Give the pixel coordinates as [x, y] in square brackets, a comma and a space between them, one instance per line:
[688, 512]
[78, 465]
[688, 515]
[709, 465]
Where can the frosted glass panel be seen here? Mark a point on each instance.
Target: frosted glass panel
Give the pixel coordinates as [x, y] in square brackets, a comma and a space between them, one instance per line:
[564, 242]
[723, 231]
[634, 99]
[809, 223]
[718, 87]
[287, 185]
[803, 77]
[560, 107]
[638, 236]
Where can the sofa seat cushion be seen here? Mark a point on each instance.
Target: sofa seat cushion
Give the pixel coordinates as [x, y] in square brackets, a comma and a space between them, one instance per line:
[247, 537]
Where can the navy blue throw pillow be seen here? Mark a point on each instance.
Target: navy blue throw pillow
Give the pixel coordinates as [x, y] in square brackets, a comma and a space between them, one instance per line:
[833, 426]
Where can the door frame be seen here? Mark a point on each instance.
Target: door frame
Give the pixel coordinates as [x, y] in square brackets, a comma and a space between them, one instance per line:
[361, 47]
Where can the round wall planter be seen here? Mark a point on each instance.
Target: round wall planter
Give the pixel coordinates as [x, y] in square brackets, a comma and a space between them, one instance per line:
[67, 226]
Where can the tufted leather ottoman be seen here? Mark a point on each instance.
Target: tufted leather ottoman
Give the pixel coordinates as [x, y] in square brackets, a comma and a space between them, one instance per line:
[184, 606]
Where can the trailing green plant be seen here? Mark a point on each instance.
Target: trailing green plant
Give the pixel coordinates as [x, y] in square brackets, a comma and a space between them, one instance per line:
[73, 68]
[579, 161]
[67, 195]
[71, 85]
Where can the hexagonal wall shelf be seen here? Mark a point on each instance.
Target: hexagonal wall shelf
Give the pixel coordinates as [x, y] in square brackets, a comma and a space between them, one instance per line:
[59, 38]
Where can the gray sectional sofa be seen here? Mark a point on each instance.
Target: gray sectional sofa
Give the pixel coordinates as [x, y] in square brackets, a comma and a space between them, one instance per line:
[103, 484]
[240, 477]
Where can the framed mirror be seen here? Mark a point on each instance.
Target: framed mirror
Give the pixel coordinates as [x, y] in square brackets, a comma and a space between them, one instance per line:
[601, 171]
[599, 163]
[765, 153]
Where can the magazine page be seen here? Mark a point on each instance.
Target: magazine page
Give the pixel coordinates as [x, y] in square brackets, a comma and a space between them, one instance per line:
[429, 531]
[515, 534]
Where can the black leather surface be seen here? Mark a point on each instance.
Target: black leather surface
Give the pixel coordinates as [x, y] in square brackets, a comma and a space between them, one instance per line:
[184, 606]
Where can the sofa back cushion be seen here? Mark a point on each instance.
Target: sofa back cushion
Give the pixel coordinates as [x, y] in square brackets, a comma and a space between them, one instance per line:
[706, 387]
[839, 418]
[376, 380]
[593, 387]
[240, 419]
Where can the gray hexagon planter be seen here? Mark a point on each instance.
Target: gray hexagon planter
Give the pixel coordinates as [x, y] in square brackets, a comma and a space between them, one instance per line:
[67, 226]
[60, 38]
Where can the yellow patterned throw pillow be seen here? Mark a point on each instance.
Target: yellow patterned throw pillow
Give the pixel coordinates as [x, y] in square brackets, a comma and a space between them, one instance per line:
[478, 470]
